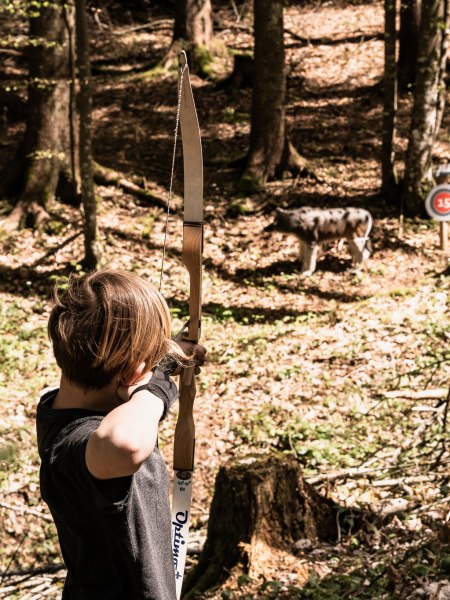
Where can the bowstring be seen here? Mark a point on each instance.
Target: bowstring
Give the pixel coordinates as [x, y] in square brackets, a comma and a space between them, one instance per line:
[172, 173]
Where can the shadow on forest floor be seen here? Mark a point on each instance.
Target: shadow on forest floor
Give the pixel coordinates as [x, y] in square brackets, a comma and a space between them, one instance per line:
[142, 107]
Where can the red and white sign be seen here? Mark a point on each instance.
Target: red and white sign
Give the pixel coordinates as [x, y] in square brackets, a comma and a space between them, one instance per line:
[437, 203]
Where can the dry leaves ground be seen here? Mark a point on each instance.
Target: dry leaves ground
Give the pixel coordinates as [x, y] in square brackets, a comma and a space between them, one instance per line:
[339, 369]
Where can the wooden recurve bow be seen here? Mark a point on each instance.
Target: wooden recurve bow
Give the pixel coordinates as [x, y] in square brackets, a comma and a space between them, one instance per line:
[184, 441]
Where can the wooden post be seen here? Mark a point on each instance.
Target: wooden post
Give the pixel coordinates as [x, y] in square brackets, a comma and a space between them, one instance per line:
[443, 236]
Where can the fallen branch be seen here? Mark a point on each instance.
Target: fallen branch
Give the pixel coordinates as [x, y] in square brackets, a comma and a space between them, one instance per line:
[12, 558]
[155, 26]
[27, 511]
[352, 472]
[106, 176]
[406, 480]
[54, 249]
[425, 507]
[424, 408]
[356, 472]
[33, 589]
[398, 505]
[11, 52]
[326, 41]
[37, 570]
[433, 394]
[446, 405]
[323, 41]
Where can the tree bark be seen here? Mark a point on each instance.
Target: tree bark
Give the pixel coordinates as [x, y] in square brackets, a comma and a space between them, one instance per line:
[270, 152]
[388, 184]
[193, 22]
[261, 507]
[408, 43]
[268, 120]
[192, 32]
[91, 247]
[429, 100]
[44, 157]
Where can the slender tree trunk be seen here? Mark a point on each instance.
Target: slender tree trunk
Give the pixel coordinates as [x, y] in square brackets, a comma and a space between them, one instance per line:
[72, 136]
[92, 253]
[388, 185]
[429, 99]
[408, 43]
[268, 121]
[45, 154]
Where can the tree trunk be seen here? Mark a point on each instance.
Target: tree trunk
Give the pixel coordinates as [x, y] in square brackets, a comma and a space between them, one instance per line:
[270, 151]
[261, 507]
[388, 184]
[192, 32]
[429, 99]
[268, 121]
[193, 22]
[408, 43]
[45, 155]
[91, 249]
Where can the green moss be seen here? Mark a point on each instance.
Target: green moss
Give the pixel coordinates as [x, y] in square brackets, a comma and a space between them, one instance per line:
[159, 70]
[231, 116]
[53, 227]
[250, 183]
[236, 209]
[148, 223]
[401, 293]
[202, 62]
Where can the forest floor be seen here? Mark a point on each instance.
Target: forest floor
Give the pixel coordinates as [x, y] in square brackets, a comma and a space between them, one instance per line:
[347, 372]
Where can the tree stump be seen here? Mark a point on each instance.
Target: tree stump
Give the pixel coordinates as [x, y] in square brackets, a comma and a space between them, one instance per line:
[261, 507]
[241, 76]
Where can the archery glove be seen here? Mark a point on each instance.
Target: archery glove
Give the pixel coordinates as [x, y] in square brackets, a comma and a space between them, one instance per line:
[163, 387]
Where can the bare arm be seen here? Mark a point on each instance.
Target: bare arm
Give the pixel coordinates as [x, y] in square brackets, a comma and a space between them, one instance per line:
[125, 438]
[127, 435]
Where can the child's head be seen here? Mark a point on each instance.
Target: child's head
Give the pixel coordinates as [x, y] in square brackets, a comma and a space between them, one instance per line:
[106, 324]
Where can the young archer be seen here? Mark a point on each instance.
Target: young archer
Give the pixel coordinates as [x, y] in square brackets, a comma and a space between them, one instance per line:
[102, 475]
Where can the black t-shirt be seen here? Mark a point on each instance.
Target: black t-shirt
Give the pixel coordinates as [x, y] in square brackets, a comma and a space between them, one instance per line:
[115, 535]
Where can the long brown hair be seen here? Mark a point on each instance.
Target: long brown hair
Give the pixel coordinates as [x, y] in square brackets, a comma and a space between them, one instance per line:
[105, 324]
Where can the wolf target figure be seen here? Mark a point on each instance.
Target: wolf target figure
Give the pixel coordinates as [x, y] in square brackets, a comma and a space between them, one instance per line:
[313, 226]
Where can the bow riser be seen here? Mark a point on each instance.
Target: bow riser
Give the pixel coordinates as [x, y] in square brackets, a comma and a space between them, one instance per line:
[192, 259]
[184, 446]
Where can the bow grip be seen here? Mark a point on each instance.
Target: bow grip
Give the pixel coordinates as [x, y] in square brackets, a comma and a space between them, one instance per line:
[184, 443]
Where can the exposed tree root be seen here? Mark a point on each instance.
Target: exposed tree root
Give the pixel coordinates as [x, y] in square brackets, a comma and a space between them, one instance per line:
[25, 214]
[292, 164]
